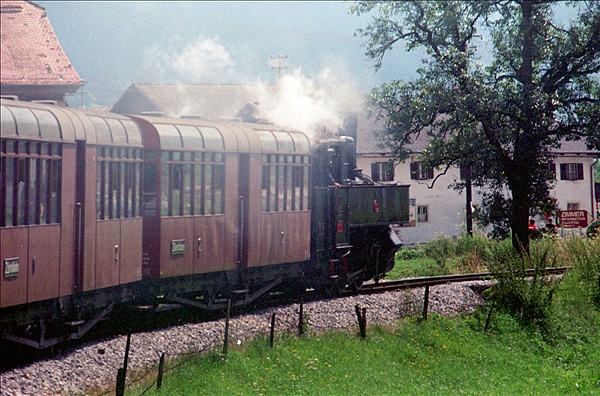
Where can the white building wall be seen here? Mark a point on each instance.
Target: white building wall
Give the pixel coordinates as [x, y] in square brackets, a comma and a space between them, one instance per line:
[447, 207]
[579, 192]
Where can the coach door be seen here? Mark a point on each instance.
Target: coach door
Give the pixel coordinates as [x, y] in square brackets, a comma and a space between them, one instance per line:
[243, 215]
[80, 177]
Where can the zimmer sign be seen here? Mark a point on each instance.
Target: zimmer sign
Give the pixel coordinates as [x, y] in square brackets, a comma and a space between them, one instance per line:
[574, 219]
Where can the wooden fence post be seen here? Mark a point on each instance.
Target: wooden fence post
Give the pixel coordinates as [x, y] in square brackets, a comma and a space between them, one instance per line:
[426, 302]
[272, 335]
[226, 338]
[362, 320]
[301, 319]
[122, 372]
[161, 367]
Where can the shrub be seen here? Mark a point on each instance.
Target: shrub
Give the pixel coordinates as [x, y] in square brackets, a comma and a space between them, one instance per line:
[441, 249]
[410, 254]
[472, 252]
[593, 230]
[526, 296]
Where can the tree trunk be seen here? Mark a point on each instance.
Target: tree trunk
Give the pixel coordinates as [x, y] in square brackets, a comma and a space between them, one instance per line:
[520, 220]
[521, 183]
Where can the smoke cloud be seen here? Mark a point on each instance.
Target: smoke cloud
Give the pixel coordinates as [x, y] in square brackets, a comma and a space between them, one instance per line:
[204, 56]
[203, 60]
[315, 106]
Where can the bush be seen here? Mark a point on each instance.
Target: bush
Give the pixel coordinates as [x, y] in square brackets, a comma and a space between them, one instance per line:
[527, 297]
[441, 250]
[410, 254]
[473, 252]
[593, 230]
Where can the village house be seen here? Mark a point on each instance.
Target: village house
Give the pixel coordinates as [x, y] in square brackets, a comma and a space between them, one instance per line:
[439, 210]
[34, 66]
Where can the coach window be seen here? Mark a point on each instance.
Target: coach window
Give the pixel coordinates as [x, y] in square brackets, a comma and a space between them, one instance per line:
[284, 183]
[198, 185]
[30, 175]
[118, 182]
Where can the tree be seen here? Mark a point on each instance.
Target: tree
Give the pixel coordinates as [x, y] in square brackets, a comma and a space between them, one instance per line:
[504, 118]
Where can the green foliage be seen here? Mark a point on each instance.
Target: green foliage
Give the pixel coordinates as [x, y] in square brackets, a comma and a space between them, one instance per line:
[414, 357]
[412, 262]
[584, 279]
[593, 230]
[410, 254]
[504, 118]
[441, 250]
[527, 297]
[442, 256]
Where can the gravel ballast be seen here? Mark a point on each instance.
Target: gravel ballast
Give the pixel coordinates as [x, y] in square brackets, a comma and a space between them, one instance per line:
[94, 366]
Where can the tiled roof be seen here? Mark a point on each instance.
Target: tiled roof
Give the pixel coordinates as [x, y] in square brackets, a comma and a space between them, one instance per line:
[211, 101]
[31, 53]
[368, 144]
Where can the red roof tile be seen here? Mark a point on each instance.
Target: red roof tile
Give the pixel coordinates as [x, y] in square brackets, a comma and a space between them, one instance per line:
[31, 53]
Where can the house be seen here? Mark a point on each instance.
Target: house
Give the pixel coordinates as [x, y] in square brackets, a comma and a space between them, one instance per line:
[439, 210]
[34, 65]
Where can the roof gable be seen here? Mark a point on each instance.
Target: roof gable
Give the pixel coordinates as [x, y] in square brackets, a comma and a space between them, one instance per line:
[209, 101]
[31, 52]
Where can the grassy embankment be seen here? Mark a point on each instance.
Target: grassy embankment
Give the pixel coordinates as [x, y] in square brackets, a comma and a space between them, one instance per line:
[542, 339]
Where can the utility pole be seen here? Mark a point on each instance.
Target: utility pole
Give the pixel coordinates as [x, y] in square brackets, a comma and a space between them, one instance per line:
[279, 66]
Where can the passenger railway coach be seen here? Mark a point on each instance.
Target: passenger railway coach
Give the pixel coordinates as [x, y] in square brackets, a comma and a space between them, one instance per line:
[99, 209]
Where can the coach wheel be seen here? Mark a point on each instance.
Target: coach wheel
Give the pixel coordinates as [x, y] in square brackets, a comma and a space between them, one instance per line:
[335, 287]
[356, 284]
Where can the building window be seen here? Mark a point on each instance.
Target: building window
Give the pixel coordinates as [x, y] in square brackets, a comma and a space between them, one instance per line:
[573, 206]
[572, 171]
[550, 167]
[422, 214]
[419, 172]
[382, 171]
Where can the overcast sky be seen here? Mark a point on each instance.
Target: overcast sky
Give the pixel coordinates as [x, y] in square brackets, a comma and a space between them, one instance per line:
[112, 44]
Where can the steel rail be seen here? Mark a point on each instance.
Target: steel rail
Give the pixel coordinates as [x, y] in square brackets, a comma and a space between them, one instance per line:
[408, 283]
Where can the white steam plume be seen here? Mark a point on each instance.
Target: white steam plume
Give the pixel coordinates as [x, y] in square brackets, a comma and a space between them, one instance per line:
[312, 106]
[204, 59]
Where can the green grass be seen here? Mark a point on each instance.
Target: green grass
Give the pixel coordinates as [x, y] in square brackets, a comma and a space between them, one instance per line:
[557, 354]
[441, 356]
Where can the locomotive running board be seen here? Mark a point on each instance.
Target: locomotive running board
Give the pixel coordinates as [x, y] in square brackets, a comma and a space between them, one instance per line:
[48, 342]
[236, 303]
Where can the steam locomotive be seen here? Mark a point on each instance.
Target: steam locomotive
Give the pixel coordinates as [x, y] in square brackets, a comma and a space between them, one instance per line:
[99, 209]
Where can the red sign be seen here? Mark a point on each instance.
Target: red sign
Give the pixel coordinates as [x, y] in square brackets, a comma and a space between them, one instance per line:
[574, 218]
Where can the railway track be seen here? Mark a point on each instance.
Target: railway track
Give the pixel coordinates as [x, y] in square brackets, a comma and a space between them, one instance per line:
[122, 322]
[409, 283]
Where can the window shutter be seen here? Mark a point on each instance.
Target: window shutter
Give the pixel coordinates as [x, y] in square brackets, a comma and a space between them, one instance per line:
[429, 173]
[553, 169]
[414, 170]
[390, 171]
[563, 171]
[375, 171]
[579, 171]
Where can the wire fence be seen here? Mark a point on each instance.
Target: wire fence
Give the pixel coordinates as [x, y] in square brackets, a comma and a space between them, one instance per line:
[292, 319]
[335, 314]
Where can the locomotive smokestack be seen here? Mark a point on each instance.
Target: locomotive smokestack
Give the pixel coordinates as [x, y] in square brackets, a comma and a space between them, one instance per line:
[350, 129]
[350, 125]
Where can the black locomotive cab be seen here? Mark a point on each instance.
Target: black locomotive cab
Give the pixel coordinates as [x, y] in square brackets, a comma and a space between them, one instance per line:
[352, 236]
